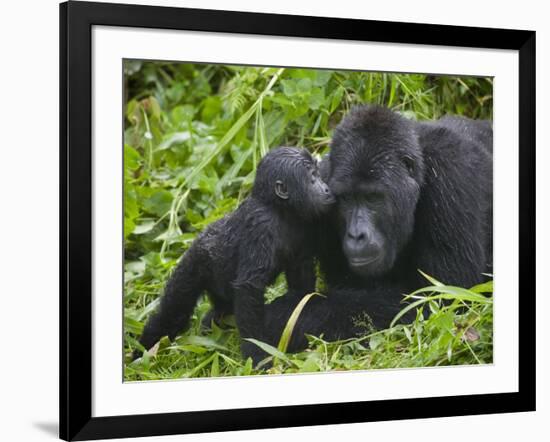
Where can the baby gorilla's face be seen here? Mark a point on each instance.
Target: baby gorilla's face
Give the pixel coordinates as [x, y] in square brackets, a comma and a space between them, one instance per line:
[288, 177]
[317, 191]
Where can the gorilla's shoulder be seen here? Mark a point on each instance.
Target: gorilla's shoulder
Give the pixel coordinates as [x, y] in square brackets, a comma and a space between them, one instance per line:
[456, 136]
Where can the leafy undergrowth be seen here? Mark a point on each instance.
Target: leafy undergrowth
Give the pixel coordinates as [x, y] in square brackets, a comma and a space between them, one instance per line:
[458, 331]
[194, 134]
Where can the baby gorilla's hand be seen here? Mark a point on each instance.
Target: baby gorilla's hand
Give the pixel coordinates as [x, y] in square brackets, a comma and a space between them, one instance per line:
[219, 318]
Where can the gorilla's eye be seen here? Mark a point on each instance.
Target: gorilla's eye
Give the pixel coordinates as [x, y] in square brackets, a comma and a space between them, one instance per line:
[374, 197]
[315, 176]
[409, 164]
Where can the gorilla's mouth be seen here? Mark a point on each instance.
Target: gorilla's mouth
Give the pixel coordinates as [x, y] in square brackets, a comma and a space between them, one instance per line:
[362, 262]
[328, 200]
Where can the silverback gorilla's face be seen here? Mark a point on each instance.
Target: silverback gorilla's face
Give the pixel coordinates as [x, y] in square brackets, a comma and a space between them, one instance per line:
[375, 174]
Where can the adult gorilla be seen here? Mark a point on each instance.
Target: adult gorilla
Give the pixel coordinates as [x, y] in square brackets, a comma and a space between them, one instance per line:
[410, 195]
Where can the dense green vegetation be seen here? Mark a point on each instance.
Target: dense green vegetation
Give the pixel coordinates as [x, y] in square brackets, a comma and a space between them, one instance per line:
[193, 137]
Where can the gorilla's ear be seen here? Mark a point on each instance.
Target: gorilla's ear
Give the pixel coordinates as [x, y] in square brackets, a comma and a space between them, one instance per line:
[280, 190]
[409, 164]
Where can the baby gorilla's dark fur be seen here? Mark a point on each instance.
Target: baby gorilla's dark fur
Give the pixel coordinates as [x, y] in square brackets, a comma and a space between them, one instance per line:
[235, 258]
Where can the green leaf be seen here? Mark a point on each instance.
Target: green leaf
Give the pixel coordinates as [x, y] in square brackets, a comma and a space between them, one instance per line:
[215, 369]
[322, 77]
[430, 278]
[269, 349]
[183, 113]
[304, 85]
[171, 235]
[486, 287]
[375, 341]
[128, 227]
[407, 333]
[336, 99]
[212, 107]
[154, 107]
[131, 209]
[151, 307]
[200, 366]
[201, 341]
[282, 101]
[289, 327]
[143, 228]
[132, 326]
[247, 369]
[132, 158]
[316, 99]
[177, 137]
[159, 202]
[289, 87]
[312, 363]
[451, 292]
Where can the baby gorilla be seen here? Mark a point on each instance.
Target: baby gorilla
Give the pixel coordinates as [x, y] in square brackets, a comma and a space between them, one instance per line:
[235, 258]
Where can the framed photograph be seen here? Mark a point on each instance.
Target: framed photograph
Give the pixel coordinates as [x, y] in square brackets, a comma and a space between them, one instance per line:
[273, 220]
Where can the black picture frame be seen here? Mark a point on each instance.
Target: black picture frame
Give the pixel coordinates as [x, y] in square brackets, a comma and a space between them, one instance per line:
[76, 21]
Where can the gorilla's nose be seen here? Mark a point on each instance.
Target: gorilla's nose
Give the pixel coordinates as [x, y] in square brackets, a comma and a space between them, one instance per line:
[359, 248]
[357, 243]
[357, 236]
[328, 195]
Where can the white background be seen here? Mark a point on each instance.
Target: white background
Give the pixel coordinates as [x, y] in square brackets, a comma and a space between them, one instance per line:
[29, 222]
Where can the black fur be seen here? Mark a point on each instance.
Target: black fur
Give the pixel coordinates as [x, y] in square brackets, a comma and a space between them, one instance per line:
[410, 195]
[235, 258]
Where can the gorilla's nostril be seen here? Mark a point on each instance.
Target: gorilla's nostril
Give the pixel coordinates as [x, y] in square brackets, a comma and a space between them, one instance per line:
[356, 236]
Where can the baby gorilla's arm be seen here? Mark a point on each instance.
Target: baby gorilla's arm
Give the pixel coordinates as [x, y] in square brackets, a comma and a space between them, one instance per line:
[256, 270]
[249, 315]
